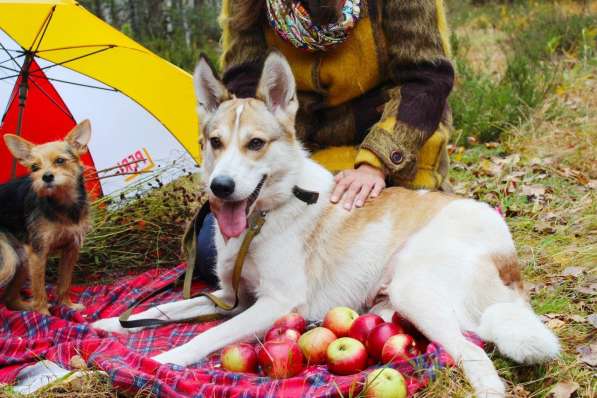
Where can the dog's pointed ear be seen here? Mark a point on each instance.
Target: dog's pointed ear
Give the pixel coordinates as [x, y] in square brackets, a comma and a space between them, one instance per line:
[78, 138]
[19, 147]
[210, 91]
[277, 87]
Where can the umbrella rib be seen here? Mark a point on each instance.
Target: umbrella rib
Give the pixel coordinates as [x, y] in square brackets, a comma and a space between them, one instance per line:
[9, 77]
[42, 30]
[65, 111]
[10, 55]
[13, 59]
[13, 95]
[7, 68]
[74, 47]
[76, 58]
[78, 84]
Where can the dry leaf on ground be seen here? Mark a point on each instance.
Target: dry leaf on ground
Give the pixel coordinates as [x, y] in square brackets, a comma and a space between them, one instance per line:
[520, 392]
[592, 319]
[544, 227]
[589, 289]
[533, 191]
[573, 271]
[563, 390]
[588, 354]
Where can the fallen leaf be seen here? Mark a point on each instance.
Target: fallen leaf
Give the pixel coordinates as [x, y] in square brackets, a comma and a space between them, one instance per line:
[588, 354]
[573, 174]
[578, 318]
[592, 319]
[589, 289]
[532, 288]
[519, 392]
[471, 140]
[592, 184]
[490, 168]
[554, 323]
[563, 390]
[573, 271]
[544, 228]
[536, 191]
[552, 217]
[491, 145]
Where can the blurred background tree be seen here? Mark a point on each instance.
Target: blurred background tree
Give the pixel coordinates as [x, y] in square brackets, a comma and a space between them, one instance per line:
[178, 30]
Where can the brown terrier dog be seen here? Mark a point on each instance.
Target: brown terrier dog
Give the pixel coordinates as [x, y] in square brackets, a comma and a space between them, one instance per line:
[41, 214]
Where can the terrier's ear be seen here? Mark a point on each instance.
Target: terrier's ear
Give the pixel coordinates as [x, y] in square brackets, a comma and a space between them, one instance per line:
[19, 147]
[78, 138]
[277, 88]
[210, 91]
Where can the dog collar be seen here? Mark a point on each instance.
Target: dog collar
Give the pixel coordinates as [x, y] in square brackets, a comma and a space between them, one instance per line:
[309, 197]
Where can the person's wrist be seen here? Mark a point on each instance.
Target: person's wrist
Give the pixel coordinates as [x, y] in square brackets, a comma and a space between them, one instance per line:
[371, 170]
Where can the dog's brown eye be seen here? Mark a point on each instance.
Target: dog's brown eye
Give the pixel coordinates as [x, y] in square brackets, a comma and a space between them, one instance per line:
[256, 144]
[34, 167]
[60, 161]
[215, 142]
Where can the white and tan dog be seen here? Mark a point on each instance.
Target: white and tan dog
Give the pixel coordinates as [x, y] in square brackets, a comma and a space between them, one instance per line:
[445, 263]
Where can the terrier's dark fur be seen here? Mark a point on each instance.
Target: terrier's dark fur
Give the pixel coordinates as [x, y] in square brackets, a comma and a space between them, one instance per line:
[44, 213]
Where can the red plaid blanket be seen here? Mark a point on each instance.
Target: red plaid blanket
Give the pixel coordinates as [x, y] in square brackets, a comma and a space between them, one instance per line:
[26, 338]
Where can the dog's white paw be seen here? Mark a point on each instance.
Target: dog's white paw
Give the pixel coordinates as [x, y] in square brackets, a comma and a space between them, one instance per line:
[110, 325]
[167, 357]
[178, 357]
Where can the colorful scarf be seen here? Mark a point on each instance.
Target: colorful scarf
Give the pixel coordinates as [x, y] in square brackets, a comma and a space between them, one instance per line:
[292, 22]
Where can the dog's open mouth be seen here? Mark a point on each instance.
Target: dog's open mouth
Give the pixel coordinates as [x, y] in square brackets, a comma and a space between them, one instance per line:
[232, 216]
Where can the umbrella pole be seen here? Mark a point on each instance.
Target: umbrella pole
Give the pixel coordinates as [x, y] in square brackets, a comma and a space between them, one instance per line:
[23, 90]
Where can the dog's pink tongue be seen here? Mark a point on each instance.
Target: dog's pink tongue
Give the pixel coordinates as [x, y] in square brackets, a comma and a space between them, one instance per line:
[232, 218]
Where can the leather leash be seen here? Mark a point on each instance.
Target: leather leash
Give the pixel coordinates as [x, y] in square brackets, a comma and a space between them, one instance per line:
[256, 222]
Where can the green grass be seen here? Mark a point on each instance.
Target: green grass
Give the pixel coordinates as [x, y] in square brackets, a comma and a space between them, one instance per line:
[485, 107]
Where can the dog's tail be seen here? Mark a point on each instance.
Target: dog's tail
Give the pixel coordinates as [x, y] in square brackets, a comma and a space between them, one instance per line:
[9, 260]
[518, 332]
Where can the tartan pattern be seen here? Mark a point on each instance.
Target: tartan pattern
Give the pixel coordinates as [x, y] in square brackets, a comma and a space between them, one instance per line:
[27, 337]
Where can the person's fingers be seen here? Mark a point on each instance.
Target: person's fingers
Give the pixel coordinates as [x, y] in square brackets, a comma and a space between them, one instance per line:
[377, 188]
[339, 176]
[351, 194]
[339, 190]
[363, 195]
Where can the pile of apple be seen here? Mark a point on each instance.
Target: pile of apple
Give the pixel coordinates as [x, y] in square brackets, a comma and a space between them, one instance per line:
[346, 342]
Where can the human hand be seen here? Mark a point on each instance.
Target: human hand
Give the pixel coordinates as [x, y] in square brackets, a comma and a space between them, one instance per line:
[354, 186]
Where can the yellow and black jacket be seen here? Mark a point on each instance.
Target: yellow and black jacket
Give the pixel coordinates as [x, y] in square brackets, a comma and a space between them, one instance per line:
[381, 95]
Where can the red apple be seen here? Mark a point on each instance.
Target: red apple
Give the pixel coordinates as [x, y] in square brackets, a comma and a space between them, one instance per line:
[239, 358]
[346, 356]
[400, 347]
[280, 358]
[291, 321]
[314, 344]
[378, 337]
[339, 320]
[385, 383]
[363, 325]
[410, 329]
[281, 333]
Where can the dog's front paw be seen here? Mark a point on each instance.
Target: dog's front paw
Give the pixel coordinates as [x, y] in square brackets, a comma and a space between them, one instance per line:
[110, 325]
[19, 305]
[176, 357]
[74, 306]
[41, 307]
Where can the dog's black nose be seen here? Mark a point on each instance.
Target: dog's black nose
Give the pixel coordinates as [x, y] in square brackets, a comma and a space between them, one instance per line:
[48, 177]
[222, 186]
